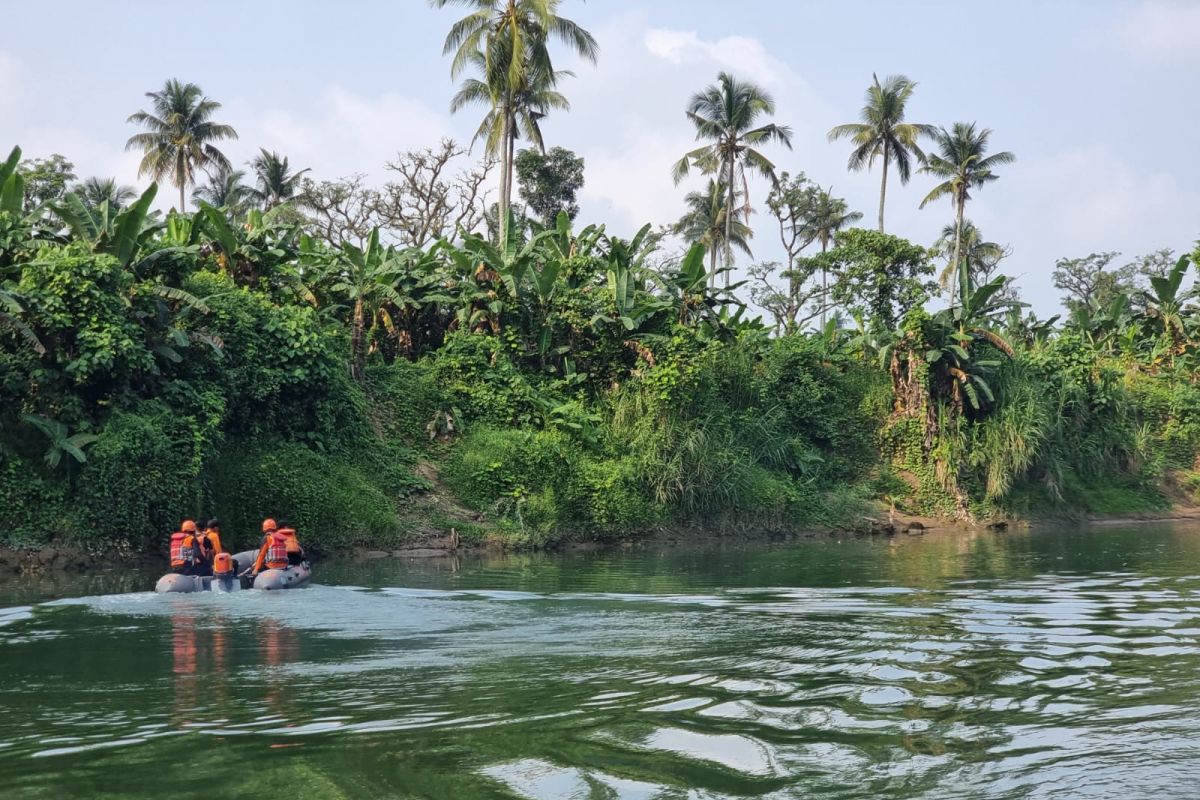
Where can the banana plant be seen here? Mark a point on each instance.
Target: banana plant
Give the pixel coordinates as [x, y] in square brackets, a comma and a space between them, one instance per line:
[420, 296]
[633, 306]
[11, 313]
[1101, 324]
[1028, 329]
[122, 235]
[491, 279]
[378, 285]
[61, 440]
[693, 299]
[1165, 306]
[12, 185]
[564, 244]
[254, 251]
[955, 336]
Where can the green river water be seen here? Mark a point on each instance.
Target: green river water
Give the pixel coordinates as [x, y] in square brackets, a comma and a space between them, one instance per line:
[1046, 664]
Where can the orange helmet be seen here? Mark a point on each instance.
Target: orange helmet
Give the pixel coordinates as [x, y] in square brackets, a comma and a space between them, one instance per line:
[189, 526]
[269, 525]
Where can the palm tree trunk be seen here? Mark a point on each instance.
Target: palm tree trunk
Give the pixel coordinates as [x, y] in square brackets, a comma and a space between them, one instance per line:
[729, 227]
[958, 222]
[512, 146]
[883, 186]
[357, 336]
[503, 205]
[824, 279]
[180, 177]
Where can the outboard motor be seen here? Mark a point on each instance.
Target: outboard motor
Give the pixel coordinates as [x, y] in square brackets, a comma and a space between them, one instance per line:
[224, 577]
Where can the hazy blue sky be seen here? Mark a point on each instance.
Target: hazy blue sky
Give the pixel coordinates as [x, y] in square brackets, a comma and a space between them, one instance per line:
[1097, 99]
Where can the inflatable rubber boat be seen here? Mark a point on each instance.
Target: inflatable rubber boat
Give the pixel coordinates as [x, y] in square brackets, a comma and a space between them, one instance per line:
[292, 577]
[172, 583]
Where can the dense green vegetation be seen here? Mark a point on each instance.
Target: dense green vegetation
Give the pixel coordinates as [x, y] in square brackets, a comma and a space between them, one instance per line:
[339, 355]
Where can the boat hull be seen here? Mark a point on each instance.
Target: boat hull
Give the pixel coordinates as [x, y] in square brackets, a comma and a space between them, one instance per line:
[267, 580]
[290, 578]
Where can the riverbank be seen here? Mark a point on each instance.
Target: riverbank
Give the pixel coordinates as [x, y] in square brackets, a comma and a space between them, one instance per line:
[70, 558]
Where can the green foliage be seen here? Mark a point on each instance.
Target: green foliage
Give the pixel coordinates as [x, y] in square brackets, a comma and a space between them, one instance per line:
[568, 383]
[34, 510]
[277, 363]
[878, 275]
[827, 402]
[144, 475]
[404, 399]
[477, 376]
[45, 179]
[546, 486]
[77, 302]
[550, 181]
[332, 504]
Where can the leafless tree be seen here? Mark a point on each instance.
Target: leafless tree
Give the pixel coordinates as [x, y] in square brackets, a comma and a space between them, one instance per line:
[340, 210]
[431, 199]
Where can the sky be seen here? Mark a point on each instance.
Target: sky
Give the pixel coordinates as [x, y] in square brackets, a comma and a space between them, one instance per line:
[1097, 99]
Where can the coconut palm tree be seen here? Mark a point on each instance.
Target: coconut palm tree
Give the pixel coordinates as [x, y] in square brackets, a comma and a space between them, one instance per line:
[530, 104]
[726, 114]
[705, 222]
[512, 37]
[226, 189]
[179, 136]
[824, 217]
[980, 256]
[963, 165]
[883, 133]
[275, 183]
[95, 191]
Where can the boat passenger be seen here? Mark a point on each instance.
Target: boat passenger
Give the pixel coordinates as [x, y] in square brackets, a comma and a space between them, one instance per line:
[273, 553]
[295, 551]
[210, 541]
[184, 549]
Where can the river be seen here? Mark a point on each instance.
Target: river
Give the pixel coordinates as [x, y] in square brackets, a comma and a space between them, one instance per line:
[1045, 664]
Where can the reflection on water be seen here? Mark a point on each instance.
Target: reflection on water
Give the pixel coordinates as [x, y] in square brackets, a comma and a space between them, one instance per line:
[1048, 665]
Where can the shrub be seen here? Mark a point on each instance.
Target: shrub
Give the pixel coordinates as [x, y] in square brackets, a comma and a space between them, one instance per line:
[491, 463]
[477, 377]
[143, 475]
[33, 510]
[404, 397]
[331, 503]
[278, 369]
[610, 500]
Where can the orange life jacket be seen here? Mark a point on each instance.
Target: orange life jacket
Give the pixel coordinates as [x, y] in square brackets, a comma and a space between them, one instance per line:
[211, 540]
[277, 551]
[183, 549]
[293, 544]
[223, 565]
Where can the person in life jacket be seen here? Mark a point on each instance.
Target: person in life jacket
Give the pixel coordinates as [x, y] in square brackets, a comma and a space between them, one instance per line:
[184, 549]
[294, 551]
[272, 554]
[209, 543]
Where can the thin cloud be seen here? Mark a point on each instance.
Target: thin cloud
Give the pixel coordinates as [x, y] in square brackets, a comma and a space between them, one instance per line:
[1160, 30]
[342, 132]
